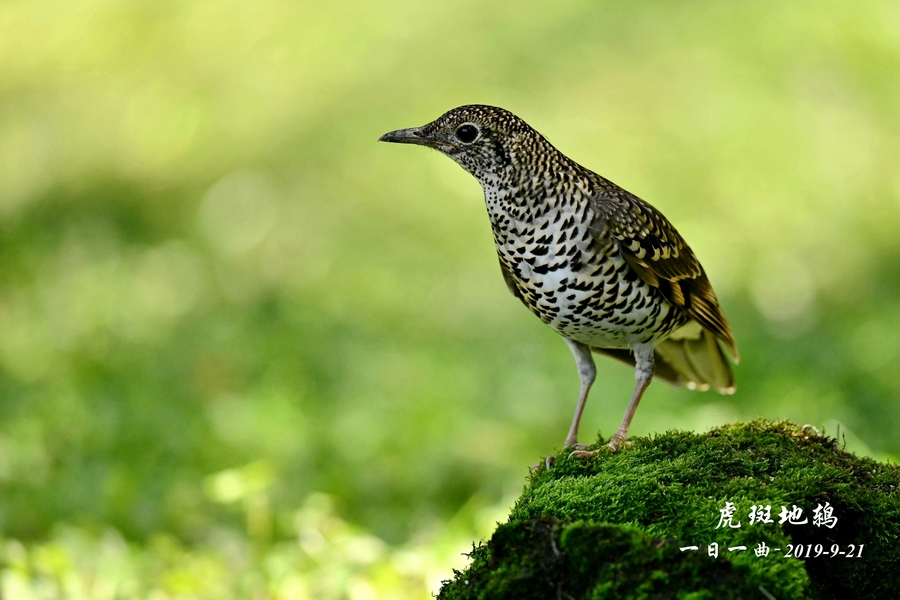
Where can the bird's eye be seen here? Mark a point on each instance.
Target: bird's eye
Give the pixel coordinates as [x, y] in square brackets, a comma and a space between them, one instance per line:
[467, 133]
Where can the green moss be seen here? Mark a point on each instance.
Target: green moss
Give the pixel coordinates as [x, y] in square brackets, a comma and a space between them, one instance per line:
[611, 526]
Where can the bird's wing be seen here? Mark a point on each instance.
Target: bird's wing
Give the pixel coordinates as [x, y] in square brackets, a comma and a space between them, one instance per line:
[511, 284]
[661, 257]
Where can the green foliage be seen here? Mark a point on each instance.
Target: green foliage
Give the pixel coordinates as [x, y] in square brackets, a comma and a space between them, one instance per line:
[325, 558]
[212, 277]
[611, 526]
[544, 559]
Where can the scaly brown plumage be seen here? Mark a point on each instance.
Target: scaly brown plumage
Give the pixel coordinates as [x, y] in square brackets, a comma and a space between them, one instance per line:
[599, 265]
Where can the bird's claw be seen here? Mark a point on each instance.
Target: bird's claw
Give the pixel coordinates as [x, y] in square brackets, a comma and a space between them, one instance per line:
[810, 426]
[579, 450]
[577, 446]
[617, 443]
[582, 453]
[548, 462]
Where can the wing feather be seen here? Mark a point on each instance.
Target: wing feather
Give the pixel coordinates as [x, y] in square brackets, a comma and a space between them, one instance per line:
[660, 256]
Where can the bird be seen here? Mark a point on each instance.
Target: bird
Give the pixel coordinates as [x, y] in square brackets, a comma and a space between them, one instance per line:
[602, 267]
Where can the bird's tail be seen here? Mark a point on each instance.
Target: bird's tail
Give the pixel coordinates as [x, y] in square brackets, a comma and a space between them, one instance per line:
[691, 356]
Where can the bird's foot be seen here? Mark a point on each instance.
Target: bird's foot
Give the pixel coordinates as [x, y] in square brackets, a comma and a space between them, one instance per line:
[583, 453]
[806, 428]
[548, 462]
[578, 450]
[617, 442]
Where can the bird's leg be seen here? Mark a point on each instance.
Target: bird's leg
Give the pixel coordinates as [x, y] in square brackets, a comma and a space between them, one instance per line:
[643, 373]
[587, 371]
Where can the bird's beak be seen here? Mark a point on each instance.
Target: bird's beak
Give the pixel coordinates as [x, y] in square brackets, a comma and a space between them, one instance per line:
[413, 135]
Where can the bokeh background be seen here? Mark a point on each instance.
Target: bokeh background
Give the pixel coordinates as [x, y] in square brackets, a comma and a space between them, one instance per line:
[248, 352]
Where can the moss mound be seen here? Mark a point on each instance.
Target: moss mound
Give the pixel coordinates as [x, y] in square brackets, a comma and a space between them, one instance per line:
[613, 526]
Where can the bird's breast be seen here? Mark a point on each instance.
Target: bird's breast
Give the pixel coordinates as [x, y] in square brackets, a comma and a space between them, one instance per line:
[570, 273]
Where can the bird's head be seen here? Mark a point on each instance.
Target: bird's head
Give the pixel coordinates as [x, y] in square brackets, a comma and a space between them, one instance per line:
[486, 141]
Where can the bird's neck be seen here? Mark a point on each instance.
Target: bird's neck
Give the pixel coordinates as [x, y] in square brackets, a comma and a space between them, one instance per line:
[524, 195]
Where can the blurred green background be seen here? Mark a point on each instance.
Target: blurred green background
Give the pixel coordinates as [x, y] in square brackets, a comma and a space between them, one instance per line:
[246, 351]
